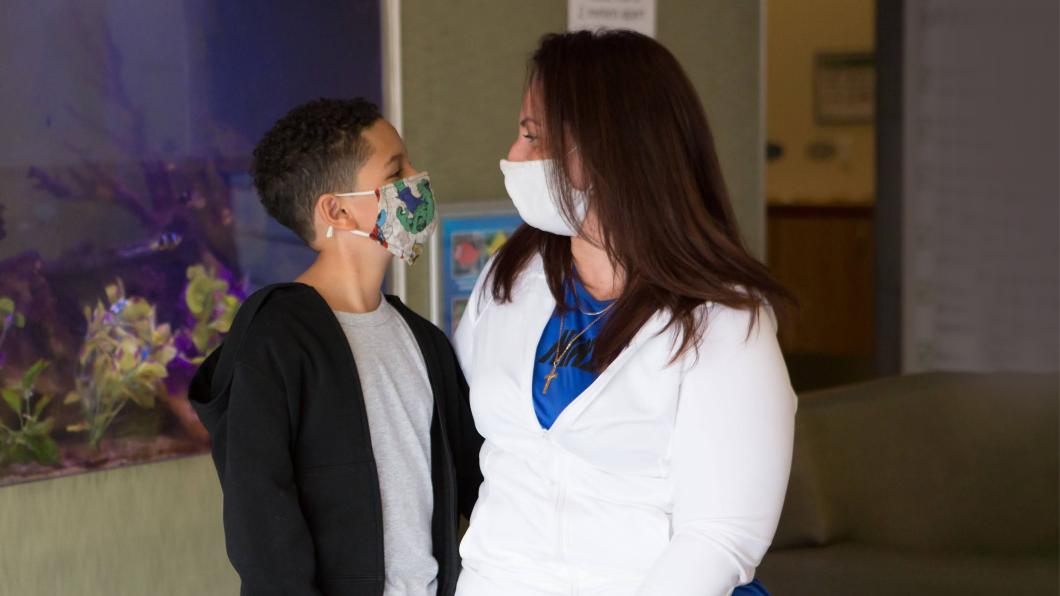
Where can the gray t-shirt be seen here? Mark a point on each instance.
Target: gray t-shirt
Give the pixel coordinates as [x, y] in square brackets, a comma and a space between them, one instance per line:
[400, 406]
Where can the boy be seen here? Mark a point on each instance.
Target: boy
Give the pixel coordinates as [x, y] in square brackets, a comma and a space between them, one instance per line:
[341, 429]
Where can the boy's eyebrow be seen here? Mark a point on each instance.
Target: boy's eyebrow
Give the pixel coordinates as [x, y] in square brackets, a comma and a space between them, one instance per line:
[395, 159]
[528, 119]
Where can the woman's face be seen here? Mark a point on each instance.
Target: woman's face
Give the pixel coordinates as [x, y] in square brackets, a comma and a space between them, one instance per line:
[528, 145]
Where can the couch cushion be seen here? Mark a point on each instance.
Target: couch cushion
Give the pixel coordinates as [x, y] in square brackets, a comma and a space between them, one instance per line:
[805, 520]
[942, 461]
[850, 568]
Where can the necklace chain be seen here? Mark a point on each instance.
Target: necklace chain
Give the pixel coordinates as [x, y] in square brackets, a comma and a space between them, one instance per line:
[597, 313]
[560, 354]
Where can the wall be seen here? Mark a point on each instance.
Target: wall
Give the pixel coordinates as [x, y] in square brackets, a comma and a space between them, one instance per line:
[463, 68]
[148, 529]
[796, 31]
[979, 198]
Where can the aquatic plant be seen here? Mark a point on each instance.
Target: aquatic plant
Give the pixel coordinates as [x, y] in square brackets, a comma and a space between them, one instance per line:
[212, 305]
[10, 318]
[30, 438]
[123, 359]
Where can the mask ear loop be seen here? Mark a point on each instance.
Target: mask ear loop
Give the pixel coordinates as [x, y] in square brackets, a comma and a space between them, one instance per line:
[362, 193]
[331, 232]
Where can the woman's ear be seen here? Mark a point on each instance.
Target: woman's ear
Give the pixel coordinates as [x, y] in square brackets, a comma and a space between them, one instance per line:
[577, 170]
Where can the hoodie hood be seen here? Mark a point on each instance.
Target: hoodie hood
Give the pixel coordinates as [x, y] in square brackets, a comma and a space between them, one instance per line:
[208, 390]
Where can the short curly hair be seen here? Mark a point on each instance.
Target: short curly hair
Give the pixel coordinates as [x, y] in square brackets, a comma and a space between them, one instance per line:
[315, 149]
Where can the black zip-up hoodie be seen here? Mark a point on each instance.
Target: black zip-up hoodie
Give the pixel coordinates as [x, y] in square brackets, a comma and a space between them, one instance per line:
[283, 404]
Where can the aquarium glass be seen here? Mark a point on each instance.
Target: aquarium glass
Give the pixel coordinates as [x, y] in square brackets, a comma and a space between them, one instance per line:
[130, 230]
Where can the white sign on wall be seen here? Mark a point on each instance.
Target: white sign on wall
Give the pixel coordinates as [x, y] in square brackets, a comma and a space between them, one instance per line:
[636, 15]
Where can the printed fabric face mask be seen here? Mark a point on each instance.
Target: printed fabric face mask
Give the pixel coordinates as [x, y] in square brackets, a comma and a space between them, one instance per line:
[527, 185]
[407, 216]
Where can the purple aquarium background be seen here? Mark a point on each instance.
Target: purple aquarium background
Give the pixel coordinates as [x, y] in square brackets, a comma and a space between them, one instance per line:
[129, 227]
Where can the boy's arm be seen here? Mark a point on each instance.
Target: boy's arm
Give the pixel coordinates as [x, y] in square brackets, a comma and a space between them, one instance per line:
[267, 537]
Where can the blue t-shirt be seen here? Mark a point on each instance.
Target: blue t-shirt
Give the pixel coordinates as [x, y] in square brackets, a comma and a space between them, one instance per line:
[574, 374]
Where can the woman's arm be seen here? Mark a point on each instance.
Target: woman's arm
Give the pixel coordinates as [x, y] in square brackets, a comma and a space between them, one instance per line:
[730, 457]
[465, 441]
[470, 442]
[463, 339]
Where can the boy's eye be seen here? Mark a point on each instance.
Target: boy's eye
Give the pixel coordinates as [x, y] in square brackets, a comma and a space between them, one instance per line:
[529, 137]
[396, 174]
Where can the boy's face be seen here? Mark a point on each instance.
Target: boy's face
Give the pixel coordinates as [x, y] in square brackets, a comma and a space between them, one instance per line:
[387, 162]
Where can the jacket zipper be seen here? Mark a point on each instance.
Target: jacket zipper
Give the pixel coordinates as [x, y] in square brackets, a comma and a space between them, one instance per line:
[561, 470]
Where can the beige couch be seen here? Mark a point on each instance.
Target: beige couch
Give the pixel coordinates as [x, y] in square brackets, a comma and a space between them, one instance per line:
[937, 483]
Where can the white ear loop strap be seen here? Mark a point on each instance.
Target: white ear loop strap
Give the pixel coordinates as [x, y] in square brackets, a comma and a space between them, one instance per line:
[353, 194]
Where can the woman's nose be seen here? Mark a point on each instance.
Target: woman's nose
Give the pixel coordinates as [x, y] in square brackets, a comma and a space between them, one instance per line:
[522, 150]
[515, 152]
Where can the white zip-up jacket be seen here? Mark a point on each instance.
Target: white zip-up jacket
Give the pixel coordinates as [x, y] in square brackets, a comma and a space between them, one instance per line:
[659, 479]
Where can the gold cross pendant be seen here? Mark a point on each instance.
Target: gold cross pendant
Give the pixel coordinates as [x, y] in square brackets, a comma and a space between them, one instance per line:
[548, 380]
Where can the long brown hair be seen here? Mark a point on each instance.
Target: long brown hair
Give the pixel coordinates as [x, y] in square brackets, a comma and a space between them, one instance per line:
[656, 189]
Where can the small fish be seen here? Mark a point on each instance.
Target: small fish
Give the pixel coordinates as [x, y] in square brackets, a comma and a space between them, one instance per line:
[119, 306]
[165, 241]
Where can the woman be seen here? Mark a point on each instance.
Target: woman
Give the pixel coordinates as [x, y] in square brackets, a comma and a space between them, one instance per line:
[621, 351]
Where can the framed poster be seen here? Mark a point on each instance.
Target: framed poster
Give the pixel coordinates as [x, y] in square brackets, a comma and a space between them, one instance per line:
[844, 88]
[469, 235]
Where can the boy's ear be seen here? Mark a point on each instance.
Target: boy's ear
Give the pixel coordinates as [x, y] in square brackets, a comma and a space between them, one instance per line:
[335, 212]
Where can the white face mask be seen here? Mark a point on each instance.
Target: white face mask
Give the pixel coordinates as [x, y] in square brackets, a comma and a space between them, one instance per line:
[527, 185]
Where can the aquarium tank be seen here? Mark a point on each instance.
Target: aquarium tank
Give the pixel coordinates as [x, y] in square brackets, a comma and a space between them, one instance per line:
[129, 228]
